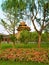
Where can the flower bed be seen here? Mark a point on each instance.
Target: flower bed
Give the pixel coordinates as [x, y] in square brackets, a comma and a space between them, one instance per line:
[22, 54]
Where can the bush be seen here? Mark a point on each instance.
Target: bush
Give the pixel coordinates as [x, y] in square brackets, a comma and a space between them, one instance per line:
[24, 36]
[13, 38]
[33, 37]
[36, 55]
[45, 37]
[27, 36]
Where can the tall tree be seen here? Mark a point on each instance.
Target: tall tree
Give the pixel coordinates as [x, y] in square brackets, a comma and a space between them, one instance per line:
[39, 14]
[41, 8]
[12, 9]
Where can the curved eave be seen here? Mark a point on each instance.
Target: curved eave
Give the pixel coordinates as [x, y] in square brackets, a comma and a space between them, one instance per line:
[23, 28]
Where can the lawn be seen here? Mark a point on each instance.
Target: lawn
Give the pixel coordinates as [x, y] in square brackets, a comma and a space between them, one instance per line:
[20, 63]
[24, 45]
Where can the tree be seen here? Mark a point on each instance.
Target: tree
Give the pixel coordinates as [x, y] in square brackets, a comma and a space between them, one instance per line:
[43, 20]
[12, 9]
[41, 8]
[13, 38]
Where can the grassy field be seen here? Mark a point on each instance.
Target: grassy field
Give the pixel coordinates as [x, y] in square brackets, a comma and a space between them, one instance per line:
[23, 45]
[20, 63]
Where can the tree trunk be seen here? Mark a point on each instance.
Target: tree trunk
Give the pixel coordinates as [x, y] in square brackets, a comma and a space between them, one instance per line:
[39, 41]
[14, 35]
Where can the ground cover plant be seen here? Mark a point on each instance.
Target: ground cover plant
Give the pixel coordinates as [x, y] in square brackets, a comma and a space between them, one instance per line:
[20, 63]
[24, 53]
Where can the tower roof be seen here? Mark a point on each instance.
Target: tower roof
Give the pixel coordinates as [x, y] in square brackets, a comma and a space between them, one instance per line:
[22, 23]
[23, 26]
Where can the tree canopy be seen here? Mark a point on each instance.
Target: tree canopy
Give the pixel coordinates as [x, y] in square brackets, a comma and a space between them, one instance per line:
[12, 9]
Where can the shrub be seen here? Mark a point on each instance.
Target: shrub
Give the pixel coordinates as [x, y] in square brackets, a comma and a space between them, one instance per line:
[13, 38]
[33, 36]
[21, 54]
[24, 36]
[27, 36]
[45, 37]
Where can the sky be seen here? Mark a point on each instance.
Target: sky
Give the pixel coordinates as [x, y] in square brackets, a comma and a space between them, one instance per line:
[2, 30]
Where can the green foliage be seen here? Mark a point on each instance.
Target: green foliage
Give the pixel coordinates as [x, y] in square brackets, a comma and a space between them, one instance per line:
[33, 36]
[27, 36]
[45, 37]
[3, 62]
[13, 38]
[5, 46]
[13, 9]
[13, 6]
[23, 45]
[17, 8]
[24, 36]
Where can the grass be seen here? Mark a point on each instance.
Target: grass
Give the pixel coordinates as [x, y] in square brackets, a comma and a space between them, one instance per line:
[23, 45]
[20, 63]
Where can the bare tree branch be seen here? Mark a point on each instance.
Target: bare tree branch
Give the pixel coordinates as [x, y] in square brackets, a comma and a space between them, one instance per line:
[33, 18]
[46, 25]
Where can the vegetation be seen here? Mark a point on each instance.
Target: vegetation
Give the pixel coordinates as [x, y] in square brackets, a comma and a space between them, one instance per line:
[21, 51]
[20, 63]
[12, 9]
[34, 46]
[24, 36]
[21, 54]
[23, 45]
[43, 11]
[32, 37]
[45, 37]
[15, 10]
[13, 39]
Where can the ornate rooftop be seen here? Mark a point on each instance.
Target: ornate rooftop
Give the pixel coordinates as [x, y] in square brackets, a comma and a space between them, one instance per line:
[23, 26]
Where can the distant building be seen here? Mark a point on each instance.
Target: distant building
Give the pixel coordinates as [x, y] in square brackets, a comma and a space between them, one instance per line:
[22, 26]
[5, 37]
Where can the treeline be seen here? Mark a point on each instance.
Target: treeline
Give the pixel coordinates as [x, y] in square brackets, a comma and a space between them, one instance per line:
[27, 36]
